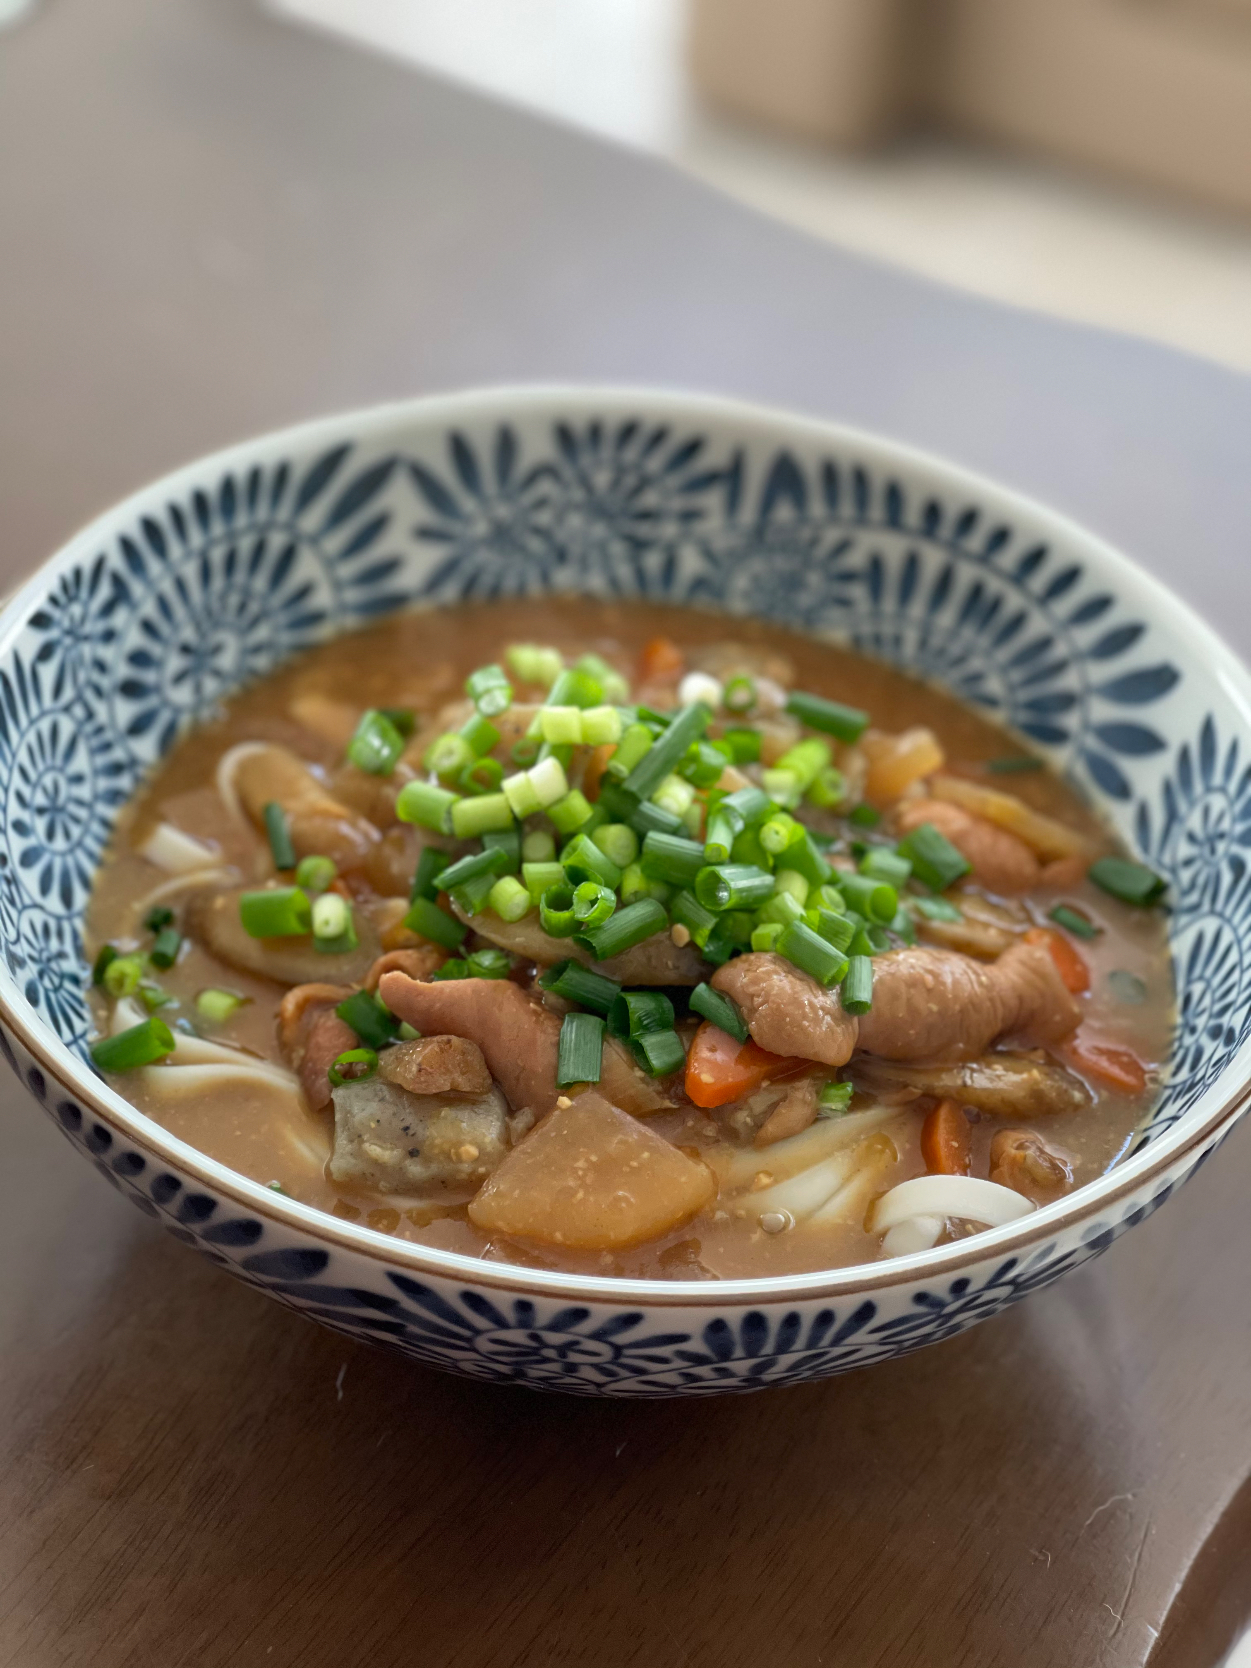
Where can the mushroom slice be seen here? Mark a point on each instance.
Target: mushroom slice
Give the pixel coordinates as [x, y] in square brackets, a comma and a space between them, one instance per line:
[1003, 1085]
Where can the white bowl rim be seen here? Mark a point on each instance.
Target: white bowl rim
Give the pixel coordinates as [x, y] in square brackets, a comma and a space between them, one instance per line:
[525, 399]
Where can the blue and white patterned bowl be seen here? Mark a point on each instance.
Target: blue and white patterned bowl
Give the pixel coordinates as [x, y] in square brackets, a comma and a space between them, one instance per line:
[218, 573]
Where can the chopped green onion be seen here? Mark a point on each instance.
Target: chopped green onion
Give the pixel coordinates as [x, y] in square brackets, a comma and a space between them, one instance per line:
[480, 816]
[376, 746]
[426, 805]
[936, 909]
[783, 787]
[556, 915]
[479, 735]
[430, 865]
[805, 760]
[739, 694]
[574, 688]
[635, 884]
[569, 813]
[636, 1012]
[601, 726]
[123, 974]
[481, 776]
[579, 1056]
[507, 840]
[281, 849]
[510, 900]
[1011, 766]
[733, 886]
[688, 912]
[827, 788]
[659, 1052]
[153, 996]
[491, 861]
[703, 765]
[1079, 925]
[428, 921]
[782, 907]
[404, 719]
[276, 912]
[618, 842]
[576, 983]
[722, 831]
[524, 751]
[538, 847]
[745, 745]
[164, 952]
[858, 986]
[104, 960]
[711, 1004]
[1131, 882]
[827, 897]
[844, 723]
[765, 937]
[635, 742]
[454, 968]
[582, 859]
[608, 677]
[490, 962]
[217, 1006]
[903, 926]
[533, 664]
[314, 874]
[157, 918]
[140, 1045]
[790, 880]
[833, 1098]
[339, 1074]
[809, 952]
[669, 858]
[686, 726]
[561, 724]
[880, 863]
[626, 928]
[489, 690]
[369, 1017]
[593, 903]
[805, 857]
[935, 861]
[471, 898]
[778, 832]
[548, 782]
[653, 819]
[675, 796]
[864, 816]
[334, 931]
[835, 929]
[541, 877]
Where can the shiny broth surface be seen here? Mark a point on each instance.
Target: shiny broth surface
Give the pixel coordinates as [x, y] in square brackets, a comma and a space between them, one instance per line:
[261, 1125]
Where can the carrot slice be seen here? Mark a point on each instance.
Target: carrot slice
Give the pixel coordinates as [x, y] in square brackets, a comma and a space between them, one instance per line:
[720, 1069]
[661, 659]
[1069, 964]
[945, 1142]
[1120, 1068]
[595, 767]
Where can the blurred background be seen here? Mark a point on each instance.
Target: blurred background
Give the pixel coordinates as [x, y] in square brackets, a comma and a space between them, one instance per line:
[1090, 158]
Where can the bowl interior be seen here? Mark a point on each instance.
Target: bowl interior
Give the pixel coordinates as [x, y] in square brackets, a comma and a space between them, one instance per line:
[214, 576]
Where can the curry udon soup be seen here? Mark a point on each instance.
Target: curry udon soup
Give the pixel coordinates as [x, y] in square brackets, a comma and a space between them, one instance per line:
[627, 940]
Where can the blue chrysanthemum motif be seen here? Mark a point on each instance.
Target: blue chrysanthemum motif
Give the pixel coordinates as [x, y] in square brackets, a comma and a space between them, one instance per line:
[607, 509]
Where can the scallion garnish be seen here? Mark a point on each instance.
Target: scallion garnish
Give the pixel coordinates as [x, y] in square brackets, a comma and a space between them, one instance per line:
[377, 744]
[834, 928]
[1011, 766]
[744, 744]
[430, 865]
[315, 873]
[733, 886]
[844, 723]
[575, 983]
[610, 680]
[571, 812]
[833, 1098]
[164, 952]
[575, 688]
[479, 735]
[765, 937]
[1073, 921]
[481, 776]
[369, 1017]
[490, 962]
[827, 788]
[858, 985]
[711, 1004]
[739, 694]
[354, 1065]
[489, 690]
[637, 1011]
[880, 863]
[661, 757]
[403, 718]
[217, 1006]
[428, 921]
[541, 877]
[1131, 882]
[579, 1056]
[279, 835]
[510, 899]
[809, 952]
[104, 959]
[936, 909]
[659, 1052]
[426, 805]
[334, 931]
[935, 861]
[159, 917]
[618, 842]
[804, 856]
[532, 663]
[140, 1045]
[538, 847]
[624, 929]
[122, 975]
[491, 861]
[672, 859]
[556, 915]
[276, 912]
[480, 816]
[864, 816]
[593, 903]
[582, 860]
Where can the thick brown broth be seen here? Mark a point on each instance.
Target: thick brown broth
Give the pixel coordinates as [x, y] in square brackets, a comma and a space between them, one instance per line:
[421, 660]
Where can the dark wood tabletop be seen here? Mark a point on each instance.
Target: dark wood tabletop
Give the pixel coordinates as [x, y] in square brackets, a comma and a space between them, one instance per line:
[211, 223]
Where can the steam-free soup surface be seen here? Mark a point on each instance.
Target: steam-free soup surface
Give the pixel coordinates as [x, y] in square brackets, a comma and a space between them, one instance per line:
[1018, 1011]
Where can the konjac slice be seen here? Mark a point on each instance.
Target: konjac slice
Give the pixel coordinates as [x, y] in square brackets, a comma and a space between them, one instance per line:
[592, 1178]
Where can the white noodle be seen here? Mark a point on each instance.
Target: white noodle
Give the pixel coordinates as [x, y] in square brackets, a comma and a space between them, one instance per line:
[848, 1204]
[918, 1233]
[199, 1051]
[227, 765]
[178, 853]
[805, 1193]
[736, 1167]
[174, 1082]
[966, 1197]
[126, 1013]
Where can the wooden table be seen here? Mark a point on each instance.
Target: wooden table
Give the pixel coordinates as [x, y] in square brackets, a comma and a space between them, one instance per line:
[210, 223]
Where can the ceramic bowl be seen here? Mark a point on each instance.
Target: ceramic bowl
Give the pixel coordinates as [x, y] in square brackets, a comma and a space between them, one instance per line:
[218, 573]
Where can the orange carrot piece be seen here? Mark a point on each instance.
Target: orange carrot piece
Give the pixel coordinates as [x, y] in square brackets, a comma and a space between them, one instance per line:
[1069, 964]
[946, 1146]
[720, 1069]
[595, 766]
[1120, 1068]
[661, 659]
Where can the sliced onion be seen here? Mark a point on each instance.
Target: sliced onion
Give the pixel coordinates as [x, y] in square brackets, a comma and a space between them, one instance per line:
[918, 1233]
[966, 1197]
[178, 853]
